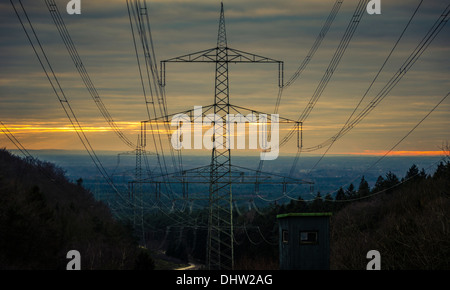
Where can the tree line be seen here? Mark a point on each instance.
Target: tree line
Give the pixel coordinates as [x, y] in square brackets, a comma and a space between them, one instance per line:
[43, 216]
[385, 217]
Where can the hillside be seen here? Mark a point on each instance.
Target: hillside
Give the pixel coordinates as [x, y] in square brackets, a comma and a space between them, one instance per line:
[43, 216]
[407, 223]
[406, 220]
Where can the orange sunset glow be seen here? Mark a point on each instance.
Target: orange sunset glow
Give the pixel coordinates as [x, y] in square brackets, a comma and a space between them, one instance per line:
[30, 111]
[397, 153]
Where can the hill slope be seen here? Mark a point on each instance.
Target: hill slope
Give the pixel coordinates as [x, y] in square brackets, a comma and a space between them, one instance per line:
[408, 224]
[43, 216]
[406, 220]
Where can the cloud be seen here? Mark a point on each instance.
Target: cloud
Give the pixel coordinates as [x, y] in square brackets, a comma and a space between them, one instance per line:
[282, 30]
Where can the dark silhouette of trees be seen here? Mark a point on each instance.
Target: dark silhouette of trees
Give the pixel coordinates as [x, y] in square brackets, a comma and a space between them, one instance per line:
[297, 205]
[317, 204]
[406, 222]
[144, 261]
[412, 172]
[350, 192]
[363, 189]
[340, 195]
[386, 184]
[43, 216]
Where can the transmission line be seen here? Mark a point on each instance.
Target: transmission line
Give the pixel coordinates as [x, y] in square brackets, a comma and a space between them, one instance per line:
[371, 84]
[15, 141]
[56, 86]
[139, 12]
[65, 36]
[340, 50]
[323, 32]
[389, 151]
[28, 157]
[305, 62]
[351, 28]
[395, 79]
[132, 13]
[410, 131]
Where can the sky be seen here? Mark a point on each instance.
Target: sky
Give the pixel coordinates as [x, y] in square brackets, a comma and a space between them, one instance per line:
[283, 30]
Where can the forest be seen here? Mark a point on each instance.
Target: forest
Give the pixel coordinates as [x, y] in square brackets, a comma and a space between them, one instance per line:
[404, 218]
[43, 216]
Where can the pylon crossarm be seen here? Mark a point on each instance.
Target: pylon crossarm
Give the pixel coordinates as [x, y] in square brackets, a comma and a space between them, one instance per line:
[205, 109]
[231, 56]
[190, 113]
[239, 56]
[208, 55]
[238, 174]
[239, 109]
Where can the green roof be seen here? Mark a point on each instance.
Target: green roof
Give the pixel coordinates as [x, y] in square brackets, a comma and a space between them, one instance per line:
[300, 214]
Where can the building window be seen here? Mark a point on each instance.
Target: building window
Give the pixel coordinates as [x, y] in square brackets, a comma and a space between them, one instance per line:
[285, 236]
[308, 238]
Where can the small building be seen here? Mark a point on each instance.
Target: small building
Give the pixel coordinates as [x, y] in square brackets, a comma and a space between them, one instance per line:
[304, 241]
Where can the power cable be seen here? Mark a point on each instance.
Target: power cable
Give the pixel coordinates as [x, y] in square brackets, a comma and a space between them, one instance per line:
[15, 141]
[55, 84]
[323, 32]
[65, 36]
[139, 12]
[373, 81]
[395, 79]
[379, 159]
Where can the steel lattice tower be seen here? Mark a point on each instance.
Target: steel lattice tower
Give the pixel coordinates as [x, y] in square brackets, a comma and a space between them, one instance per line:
[220, 228]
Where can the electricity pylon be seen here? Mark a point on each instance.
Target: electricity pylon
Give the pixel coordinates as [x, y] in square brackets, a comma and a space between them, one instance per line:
[221, 176]
[220, 253]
